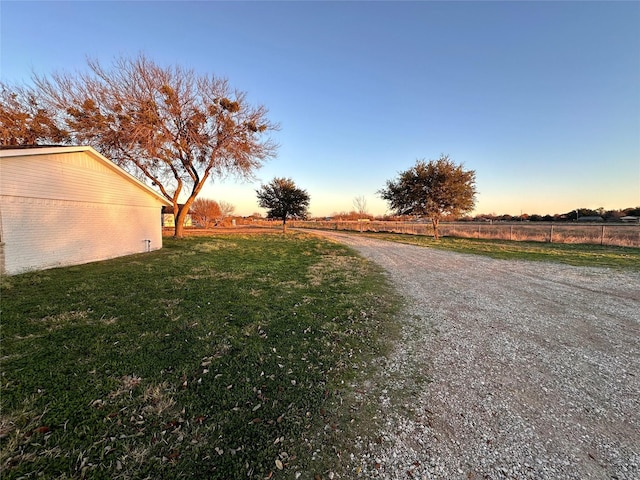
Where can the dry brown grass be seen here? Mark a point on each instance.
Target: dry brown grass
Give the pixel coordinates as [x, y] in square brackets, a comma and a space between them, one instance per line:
[619, 235]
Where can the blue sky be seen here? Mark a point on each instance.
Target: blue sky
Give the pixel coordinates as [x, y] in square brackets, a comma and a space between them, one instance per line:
[541, 99]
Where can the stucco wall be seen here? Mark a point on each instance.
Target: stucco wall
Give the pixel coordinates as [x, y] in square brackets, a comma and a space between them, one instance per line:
[71, 208]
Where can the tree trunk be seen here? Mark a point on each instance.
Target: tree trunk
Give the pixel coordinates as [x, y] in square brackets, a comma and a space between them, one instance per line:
[434, 223]
[180, 218]
[178, 231]
[176, 214]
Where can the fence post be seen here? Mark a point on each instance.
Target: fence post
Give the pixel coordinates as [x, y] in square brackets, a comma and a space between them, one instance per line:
[551, 234]
[602, 236]
[510, 232]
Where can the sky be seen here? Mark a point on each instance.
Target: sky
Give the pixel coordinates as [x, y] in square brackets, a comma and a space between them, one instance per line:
[540, 99]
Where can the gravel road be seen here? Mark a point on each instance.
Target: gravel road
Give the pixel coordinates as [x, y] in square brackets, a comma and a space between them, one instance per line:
[504, 370]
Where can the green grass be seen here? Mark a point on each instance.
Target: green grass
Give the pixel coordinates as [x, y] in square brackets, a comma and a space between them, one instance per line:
[215, 357]
[572, 254]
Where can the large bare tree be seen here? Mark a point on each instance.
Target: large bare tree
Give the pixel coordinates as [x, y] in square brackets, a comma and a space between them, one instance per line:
[433, 189]
[167, 125]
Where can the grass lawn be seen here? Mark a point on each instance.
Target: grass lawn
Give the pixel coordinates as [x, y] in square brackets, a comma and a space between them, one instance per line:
[215, 357]
[627, 258]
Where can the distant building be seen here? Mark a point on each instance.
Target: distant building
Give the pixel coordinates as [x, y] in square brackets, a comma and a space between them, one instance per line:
[591, 218]
[168, 220]
[630, 219]
[63, 206]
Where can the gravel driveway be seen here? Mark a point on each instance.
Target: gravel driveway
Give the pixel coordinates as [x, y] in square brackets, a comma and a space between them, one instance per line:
[505, 369]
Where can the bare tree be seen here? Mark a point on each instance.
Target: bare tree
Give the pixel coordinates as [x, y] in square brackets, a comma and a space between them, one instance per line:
[205, 212]
[360, 204]
[173, 128]
[226, 209]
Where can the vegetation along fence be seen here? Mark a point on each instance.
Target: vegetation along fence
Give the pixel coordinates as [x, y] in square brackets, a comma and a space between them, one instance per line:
[618, 234]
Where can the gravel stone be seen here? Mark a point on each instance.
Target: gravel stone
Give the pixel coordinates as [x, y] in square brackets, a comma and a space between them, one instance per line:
[504, 370]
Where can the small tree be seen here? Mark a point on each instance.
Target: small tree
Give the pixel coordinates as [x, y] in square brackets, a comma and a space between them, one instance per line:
[226, 209]
[205, 212]
[283, 199]
[360, 204]
[433, 190]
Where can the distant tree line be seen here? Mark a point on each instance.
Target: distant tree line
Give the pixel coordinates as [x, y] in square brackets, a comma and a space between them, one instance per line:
[572, 216]
[606, 215]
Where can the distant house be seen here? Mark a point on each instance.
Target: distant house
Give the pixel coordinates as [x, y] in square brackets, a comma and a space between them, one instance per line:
[168, 219]
[591, 218]
[64, 206]
[630, 219]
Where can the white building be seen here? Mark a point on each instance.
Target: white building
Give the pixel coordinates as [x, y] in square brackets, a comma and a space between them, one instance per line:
[64, 206]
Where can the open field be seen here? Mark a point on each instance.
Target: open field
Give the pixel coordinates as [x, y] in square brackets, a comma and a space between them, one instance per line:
[625, 258]
[215, 357]
[614, 234]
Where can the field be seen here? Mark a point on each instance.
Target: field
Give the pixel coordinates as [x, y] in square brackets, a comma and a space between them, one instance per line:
[625, 258]
[215, 357]
[219, 356]
[614, 234]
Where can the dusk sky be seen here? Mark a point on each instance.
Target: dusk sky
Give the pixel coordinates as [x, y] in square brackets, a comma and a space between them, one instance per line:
[541, 99]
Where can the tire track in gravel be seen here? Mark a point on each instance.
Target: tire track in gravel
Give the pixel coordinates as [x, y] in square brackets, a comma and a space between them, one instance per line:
[505, 369]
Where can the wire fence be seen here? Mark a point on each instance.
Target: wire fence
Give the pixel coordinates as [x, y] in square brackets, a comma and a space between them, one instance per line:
[615, 234]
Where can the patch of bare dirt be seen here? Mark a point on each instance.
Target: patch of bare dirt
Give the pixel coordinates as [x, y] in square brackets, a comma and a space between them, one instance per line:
[505, 370]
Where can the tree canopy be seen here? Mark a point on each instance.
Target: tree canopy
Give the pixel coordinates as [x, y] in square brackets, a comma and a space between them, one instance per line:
[166, 125]
[25, 121]
[283, 200]
[433, 190]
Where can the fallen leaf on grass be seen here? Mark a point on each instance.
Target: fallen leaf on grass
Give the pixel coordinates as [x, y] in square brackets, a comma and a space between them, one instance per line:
[174, 455]
[42, 429]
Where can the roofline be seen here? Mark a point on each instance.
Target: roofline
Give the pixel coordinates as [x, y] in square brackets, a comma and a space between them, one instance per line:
[22, 152]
